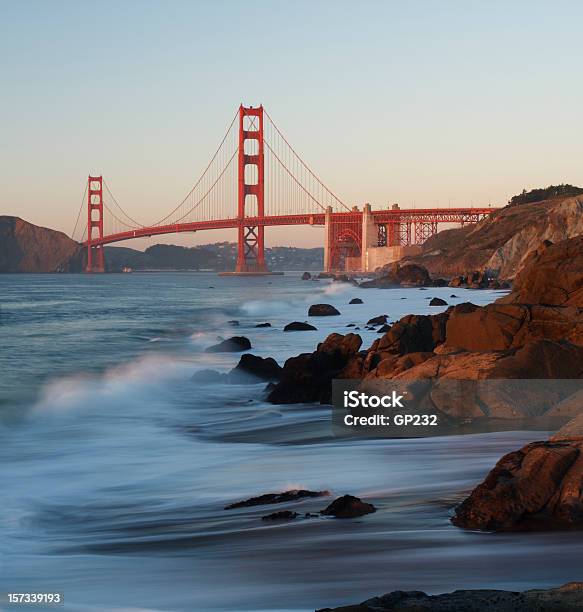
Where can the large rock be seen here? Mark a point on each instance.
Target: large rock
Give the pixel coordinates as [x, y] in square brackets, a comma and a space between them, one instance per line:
[395, 275]
[322, 310]
[538, 486]
[308, 377]
[553, 275]
[567, 598]
[231, 345]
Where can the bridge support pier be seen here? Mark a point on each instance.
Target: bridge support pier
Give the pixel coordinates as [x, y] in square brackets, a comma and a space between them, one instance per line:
[95, 254]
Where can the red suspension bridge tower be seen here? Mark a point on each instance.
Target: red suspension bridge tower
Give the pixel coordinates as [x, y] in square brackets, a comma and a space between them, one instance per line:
[251, 242]
[95, 259]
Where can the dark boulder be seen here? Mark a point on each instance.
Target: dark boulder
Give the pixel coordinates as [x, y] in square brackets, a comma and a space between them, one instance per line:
[308, 377]
[437, 302]
[277, 498]
[263, 325]
[298, 326]
[231, 345]
[322, 310]
[348, 506]
[252, 368]
[356, 301]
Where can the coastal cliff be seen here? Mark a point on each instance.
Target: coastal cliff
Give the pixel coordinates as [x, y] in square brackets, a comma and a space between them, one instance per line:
[500, 243]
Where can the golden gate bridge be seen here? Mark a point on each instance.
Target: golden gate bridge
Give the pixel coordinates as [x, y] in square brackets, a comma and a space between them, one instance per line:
[254, 180]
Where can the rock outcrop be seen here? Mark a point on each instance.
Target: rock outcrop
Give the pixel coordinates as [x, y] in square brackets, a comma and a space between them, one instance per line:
[552, 276]
[537, 487]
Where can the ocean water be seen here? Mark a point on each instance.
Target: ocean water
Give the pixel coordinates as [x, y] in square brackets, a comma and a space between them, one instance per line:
[115, 466]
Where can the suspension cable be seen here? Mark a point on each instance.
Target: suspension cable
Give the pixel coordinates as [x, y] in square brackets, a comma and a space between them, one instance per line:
[303, 163]
[80, 209]
[202, 175]
[122, 210]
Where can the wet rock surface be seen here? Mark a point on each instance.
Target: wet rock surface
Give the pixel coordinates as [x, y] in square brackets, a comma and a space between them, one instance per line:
[356, 301]
[277, 498]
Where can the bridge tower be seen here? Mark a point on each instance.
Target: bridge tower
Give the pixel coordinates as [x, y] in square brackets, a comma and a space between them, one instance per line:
[95, 259]
[251, 244]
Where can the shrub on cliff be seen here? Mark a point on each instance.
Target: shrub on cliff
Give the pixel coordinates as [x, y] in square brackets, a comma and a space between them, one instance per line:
[552, 191]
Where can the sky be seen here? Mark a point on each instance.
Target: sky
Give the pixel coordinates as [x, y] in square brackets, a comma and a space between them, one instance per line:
[424, 103]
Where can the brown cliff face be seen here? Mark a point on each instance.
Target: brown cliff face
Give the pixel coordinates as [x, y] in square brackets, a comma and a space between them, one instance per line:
[501, 242]
[25, 247]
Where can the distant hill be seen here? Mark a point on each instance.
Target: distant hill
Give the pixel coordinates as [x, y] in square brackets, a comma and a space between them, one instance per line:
[25, 247]
[501, 242]
[220, 256]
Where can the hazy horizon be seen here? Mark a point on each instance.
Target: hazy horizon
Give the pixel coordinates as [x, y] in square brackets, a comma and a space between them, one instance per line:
[424, 104]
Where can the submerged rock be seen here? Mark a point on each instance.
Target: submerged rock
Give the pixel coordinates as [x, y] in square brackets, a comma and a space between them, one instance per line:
[282, 515]
[263, 325]
[348, 506]
[231, 345]
[298, 326]
[322, 310]
[277, 498]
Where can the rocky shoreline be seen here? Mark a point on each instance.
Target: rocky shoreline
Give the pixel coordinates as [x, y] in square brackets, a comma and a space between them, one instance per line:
[566, 598]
